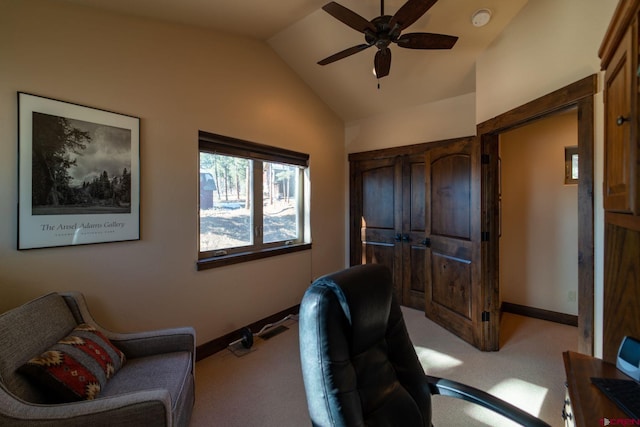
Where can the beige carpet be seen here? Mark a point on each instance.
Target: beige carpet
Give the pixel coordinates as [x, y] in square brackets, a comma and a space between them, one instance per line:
[264, 387]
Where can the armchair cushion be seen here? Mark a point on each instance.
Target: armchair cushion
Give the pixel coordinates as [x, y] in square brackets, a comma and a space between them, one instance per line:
[77, 367]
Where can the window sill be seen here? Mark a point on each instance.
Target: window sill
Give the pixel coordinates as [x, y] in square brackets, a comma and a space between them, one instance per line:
[221, 261]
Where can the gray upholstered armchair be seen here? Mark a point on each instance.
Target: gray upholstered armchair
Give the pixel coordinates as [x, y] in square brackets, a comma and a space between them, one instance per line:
[152, 385]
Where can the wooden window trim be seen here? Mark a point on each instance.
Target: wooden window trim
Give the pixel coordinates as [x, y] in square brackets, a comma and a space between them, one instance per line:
[225, 145]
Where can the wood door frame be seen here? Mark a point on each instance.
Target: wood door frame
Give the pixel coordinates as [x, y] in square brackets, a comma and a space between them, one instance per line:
[578, 95]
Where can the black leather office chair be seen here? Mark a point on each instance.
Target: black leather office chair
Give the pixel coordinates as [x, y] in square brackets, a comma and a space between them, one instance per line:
[358, 363]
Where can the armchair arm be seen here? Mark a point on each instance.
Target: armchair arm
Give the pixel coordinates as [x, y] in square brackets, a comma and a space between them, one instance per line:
[148, 343]
[152, 407]
[455, 389]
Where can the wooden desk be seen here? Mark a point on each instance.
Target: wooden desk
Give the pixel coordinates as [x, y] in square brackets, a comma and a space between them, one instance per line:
[588, 404]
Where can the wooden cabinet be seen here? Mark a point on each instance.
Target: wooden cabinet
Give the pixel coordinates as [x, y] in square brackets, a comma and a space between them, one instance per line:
[620, 94]
[621, 198]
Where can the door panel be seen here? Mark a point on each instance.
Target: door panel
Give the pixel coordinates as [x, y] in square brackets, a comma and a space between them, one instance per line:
[451, 200]
[453, 291]
[452, 282]
[377, 253]
[377, 185]
[378, 220]
[413, 228]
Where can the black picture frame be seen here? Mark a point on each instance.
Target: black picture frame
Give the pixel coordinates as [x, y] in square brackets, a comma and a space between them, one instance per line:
[78, 174]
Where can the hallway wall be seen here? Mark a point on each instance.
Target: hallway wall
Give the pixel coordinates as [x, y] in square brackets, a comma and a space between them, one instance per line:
[539, 243]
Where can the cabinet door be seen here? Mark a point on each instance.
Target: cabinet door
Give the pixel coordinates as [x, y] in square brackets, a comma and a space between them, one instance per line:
[619, 153]
[376, 207]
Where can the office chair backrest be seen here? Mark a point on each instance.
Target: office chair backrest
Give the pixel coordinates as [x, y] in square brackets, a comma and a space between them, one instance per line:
[358, 364]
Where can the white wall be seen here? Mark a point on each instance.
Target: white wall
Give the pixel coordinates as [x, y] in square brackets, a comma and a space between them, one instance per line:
[539, 243]
[548, 45]
[178, 80]
[449, 118]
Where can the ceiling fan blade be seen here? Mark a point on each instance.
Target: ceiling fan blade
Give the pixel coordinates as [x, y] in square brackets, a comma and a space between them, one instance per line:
[348, 17]
[343, 54]
[382, 62]
[410, 12]
[426, 41]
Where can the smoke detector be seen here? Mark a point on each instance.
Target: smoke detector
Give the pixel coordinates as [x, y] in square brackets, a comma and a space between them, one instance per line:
[481, 17]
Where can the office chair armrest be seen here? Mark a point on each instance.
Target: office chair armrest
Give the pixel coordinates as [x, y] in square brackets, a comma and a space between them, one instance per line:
[455, 389]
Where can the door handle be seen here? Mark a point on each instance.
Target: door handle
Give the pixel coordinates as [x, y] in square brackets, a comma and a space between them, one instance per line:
[398, 237]
[406, 238]
[426, 242]
[620, 120]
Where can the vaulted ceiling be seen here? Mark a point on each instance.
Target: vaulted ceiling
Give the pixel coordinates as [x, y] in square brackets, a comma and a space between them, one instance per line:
[302, 34]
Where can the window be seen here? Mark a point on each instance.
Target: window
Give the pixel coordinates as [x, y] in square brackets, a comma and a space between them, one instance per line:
[253, 201]
[571, 165]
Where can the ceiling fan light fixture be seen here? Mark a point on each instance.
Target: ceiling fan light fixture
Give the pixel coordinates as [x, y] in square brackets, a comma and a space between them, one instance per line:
[481, 17]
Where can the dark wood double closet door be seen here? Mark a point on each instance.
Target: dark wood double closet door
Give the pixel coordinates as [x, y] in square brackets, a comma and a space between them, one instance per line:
[417, 210]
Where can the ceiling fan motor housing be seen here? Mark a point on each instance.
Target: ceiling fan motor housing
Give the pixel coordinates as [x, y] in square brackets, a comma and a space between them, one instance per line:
[384, 34]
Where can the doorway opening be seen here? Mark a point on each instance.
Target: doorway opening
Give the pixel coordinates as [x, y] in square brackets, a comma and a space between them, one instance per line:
[579, 96]
[538, 225]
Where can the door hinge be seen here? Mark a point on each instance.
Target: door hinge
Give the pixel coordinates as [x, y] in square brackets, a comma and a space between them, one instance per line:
[484, 159]
[486, 316]
[484, 236]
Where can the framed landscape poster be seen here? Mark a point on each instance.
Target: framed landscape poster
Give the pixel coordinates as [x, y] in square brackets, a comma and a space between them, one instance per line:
[79, 174]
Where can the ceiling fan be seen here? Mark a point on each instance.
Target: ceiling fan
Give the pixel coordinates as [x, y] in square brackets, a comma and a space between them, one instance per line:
[386, 29]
